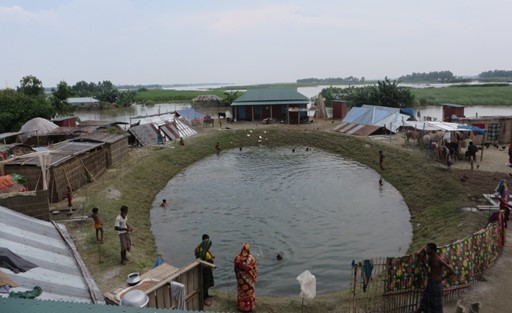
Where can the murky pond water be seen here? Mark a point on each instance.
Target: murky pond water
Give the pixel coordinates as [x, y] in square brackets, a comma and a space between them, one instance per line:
[319, 211]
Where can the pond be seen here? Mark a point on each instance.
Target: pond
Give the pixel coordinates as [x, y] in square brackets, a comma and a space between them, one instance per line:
[316, 209]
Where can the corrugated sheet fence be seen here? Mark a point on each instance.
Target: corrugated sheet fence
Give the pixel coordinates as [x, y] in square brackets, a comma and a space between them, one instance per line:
[395, 284]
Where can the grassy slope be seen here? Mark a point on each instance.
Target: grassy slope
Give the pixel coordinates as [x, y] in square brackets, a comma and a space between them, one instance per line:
[432, 196]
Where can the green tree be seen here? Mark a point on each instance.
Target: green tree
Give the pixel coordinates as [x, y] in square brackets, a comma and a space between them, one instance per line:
[31, 86]
[385, 93]
[229, 97]
[17, 108]
[59, 98]
[391, 95]
[126, 98]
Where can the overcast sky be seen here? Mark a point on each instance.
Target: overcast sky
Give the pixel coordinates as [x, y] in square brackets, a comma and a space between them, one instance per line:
[207, 41]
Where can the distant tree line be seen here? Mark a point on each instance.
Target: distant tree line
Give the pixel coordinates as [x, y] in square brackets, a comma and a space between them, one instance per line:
[332, 80]
[496, 74]
[432, 77]
[30, 100]
[105, 92]
[385, 93]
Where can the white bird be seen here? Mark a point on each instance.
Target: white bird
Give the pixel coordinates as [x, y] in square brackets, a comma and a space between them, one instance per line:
[248, 135]
[260, 137]
[264, 131]
[250, 131]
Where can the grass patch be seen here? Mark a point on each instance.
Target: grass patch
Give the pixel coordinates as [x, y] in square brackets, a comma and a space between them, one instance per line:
[432, 194]
[493, 95]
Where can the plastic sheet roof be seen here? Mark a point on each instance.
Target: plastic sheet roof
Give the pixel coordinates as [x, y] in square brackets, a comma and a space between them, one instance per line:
[374, 116]
[36, 126]
[444, 126]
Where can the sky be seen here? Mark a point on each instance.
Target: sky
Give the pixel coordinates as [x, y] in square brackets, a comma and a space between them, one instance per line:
[247, 42]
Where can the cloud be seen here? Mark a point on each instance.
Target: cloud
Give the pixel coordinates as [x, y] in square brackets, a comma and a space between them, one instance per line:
[273, 18]
[18, 14]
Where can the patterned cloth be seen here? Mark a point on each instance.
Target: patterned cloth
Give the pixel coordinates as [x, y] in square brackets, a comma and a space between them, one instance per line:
[493, 131]
[469, 257]
[245, 270]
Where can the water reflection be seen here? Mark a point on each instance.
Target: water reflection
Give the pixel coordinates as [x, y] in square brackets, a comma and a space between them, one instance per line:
[317, 210]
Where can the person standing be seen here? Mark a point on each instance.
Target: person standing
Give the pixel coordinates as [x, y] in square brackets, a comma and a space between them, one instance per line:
[510, 154]
[217, 148]
[98, 224]
[202, 251]
[472, 150]
[381, 160]
[245, 272]
[432, 300]
[123, 229]
[504, 198]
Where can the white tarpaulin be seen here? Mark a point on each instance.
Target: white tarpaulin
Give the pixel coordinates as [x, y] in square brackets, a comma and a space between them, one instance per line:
[307, 283]
[444, 126]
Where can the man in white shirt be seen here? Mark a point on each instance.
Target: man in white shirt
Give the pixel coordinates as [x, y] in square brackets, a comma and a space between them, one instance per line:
[123, 229]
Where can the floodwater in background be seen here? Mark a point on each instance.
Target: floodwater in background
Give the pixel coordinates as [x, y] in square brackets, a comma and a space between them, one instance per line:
[316, 209]
[124, 115]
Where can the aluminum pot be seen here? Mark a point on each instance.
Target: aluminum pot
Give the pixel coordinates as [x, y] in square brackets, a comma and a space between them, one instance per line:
[133, 279]
[135, 299]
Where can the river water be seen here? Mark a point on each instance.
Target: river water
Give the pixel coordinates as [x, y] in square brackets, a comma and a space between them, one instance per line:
[319, 211]
[140, 110]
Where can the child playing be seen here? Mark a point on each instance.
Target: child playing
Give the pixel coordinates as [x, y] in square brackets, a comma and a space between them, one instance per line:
[98, 225]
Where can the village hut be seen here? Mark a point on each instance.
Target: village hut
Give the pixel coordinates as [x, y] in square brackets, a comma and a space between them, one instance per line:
[339, 109]
[83, 103]
[372, 120]
[158, 130]
[35, 131]
[70, 164]
[498, 128]
[10, 137]
[65, 121]
[116, 145]
[281, 104]
[206, 100]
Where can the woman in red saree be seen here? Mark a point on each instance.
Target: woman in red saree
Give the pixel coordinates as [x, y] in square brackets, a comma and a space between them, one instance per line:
[245, 270]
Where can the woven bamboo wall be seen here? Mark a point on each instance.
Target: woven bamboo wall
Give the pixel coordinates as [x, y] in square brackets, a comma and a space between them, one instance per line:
[33, 204]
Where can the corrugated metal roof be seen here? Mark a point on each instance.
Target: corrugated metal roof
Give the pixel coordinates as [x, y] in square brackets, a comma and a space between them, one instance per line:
[9, 305]
[356, 129]
[7, 135]
[80, 100]
[184, 129]
[271, 96]
[102, 136]
[189, 114]
[145, 134]
[60, 273]
[64, 118]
